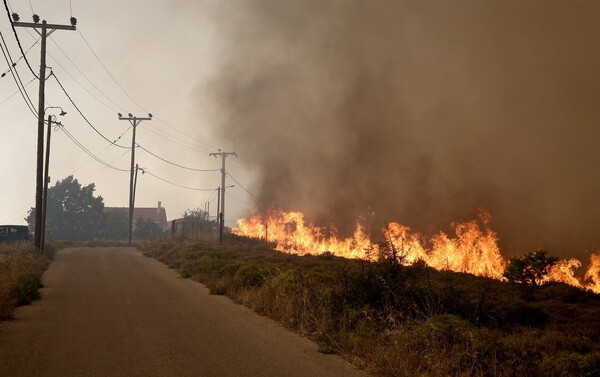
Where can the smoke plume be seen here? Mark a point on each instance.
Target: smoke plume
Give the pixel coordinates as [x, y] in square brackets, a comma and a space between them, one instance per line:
[419, 112]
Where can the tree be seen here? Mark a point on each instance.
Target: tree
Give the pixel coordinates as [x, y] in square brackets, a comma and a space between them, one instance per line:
[116, 225]
[195, 221]
[74, 214]
[529, 269]
[147, 229]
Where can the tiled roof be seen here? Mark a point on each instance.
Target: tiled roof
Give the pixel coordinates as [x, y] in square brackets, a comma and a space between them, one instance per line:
[154, 214]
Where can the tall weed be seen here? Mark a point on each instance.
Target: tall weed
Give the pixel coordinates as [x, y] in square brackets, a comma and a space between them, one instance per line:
[21, 268]
[395, 320]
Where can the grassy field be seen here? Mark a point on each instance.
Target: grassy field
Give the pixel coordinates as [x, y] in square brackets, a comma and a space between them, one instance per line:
[404, 321]
[21, 269]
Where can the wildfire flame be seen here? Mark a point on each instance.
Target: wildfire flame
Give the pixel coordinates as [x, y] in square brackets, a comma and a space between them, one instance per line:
[473, 248]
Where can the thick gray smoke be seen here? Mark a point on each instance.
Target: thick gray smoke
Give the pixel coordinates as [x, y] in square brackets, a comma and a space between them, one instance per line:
[420, 112]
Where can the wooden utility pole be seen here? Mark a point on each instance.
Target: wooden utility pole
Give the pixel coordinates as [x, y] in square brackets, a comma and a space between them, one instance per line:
[46, 175]
[221, 214]
[45, 31]
[218, 216]
[134, 123]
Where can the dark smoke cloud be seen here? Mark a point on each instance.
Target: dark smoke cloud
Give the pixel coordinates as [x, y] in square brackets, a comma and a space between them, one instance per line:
[419, 111]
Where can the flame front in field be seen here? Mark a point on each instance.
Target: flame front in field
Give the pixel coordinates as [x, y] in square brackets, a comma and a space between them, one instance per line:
[472, 248]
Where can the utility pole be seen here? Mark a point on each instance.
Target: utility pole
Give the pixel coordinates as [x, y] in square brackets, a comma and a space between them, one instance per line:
[45, 193]
[218, 217]
[46, 177]
[221, 214]
[45, 31]
[134, 123]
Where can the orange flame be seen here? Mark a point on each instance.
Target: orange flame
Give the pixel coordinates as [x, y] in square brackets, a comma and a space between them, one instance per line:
[473, 248]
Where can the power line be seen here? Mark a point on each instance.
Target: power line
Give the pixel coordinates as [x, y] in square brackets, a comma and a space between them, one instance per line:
[88, 152]
[131, 98]
[85, 76]
[102, 151]
[18, 41]
[83, 116]
[18, 60]
[15, 213]
[17, 91]
[174, 139]
[239, 184]
[107, 71]
[145, 171]
[16, 76]
[112, 109]
[237, 199]
[102, 168]
[185, 134]
[174, 164]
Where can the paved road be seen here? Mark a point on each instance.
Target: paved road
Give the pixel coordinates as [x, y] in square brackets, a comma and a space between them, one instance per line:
[113, 312]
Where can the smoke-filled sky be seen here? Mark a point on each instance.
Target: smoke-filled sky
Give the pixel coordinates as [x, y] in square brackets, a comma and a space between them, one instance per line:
[420, 112]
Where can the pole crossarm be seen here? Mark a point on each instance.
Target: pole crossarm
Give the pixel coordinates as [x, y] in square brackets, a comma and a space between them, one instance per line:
[44, 25]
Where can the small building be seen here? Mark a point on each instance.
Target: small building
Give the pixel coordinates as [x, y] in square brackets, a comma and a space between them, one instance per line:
[158, 214]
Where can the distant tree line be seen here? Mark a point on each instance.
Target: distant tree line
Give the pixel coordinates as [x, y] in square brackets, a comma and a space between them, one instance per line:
[75, 214]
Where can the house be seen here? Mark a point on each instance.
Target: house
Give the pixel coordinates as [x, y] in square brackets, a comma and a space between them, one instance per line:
[157, 214]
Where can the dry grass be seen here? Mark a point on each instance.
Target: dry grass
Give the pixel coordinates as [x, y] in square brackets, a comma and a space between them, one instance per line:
[21, 268]
[405, 321]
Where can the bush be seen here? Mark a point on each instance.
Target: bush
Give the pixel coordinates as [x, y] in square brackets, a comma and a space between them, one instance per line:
[396, 320]
[529, 269]
[21, 268]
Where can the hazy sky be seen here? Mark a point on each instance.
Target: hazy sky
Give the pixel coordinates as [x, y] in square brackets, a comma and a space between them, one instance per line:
[420, 112]
[160, 53]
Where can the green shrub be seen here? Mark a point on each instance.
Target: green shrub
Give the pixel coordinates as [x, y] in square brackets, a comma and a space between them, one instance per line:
[399, 320]
[248, 275]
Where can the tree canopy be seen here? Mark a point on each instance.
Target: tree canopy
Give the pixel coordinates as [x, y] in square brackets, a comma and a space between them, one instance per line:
[74, 213]
[147, 229]
[529, 269]
[116, 225]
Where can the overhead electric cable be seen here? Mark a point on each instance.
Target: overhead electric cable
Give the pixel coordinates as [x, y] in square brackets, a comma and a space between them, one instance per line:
[16, 212]
[102, 168]
[175, 184]
[84, 117]
[18, 60]
[186, 135]
[107, 71]
[88, 152]
[172, 163]
[112, 109]
[15, 75]
[239, 184]
[102, 151]
[132, 99]
[85, 76]
[237, 199]
[17, 38]
[15, 92]
[174, 139]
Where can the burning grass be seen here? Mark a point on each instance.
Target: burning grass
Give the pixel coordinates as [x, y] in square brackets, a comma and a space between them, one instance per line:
[404, 320]
[21, 269]
[472, 248]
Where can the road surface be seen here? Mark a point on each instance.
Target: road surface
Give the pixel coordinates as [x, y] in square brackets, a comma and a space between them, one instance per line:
[114, 312]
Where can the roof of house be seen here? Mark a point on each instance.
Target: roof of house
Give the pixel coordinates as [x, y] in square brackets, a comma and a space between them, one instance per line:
[154, 214]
